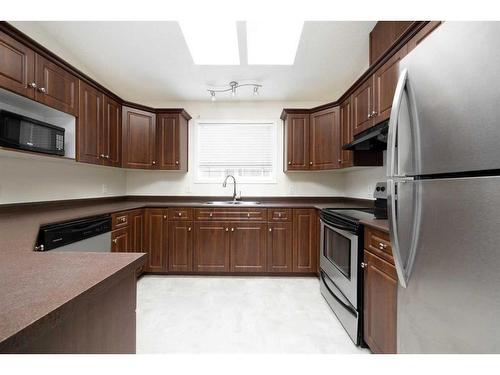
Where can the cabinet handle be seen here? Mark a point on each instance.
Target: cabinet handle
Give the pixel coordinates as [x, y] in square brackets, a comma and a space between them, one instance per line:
[227, 229]
[102, 156]
[248, 215]
[382, 246]
[232, 229]
[340, 161]
[279, 214]
[177, 162]
[210, 214]
[180, 213]
[32, 85]
[42, 90]
[289, 163]
[189, 229]
[364, 265]
[154, 162]
[270, 229]
[164, 216]
[374, 113]
[369, 115]
[107, 156]
[310, 163]
[115, 240]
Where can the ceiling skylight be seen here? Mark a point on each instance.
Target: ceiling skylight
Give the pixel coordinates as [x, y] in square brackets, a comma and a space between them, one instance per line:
[212, 43]
[273, 42]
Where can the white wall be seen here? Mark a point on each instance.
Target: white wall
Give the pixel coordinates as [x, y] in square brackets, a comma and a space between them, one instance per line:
[361, 183]
[292, 183]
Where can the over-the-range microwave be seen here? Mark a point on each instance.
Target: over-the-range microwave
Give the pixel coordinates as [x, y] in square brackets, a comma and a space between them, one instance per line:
[25, 133]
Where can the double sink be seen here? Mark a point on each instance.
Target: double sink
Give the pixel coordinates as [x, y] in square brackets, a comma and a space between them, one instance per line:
[233, 203]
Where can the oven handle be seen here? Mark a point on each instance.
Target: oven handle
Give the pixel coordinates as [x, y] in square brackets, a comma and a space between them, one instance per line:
[339, 227]
[347, 306]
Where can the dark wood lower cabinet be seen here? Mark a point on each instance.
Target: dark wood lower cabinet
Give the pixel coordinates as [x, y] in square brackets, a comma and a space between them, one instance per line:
[155, 241]
[380, 304]
[180, 246]
[305, 240]
[279, 247]
[211, 246]
[248, 247]
[120, 240]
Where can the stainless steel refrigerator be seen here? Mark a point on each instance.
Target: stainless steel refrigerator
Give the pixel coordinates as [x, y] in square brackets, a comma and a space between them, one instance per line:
[443, 170]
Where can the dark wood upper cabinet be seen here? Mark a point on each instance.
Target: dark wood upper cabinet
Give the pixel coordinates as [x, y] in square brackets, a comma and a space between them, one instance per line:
[325, 139]
[138, 147]
[362, 107]
[385, 80]
[172, 140]
[296, 141]
[305, 240]
[156, 233]
[384, 35]
[120, 240]
[346, 136]
[17, 67]
[56, 87]
[248, 247]
[211, 246]
[422, 34]
[111, 135]
[90, 125]
[180, 246]
[380, 304]
[279, 247]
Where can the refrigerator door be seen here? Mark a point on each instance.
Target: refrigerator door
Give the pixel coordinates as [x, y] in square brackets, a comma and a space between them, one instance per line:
[446, 111]
[451, 303]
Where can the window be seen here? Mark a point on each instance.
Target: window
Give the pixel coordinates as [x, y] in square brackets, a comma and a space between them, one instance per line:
[246, 150]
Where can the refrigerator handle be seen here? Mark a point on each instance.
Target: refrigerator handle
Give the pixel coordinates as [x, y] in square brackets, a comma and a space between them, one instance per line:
[393, 124]
[403, 266]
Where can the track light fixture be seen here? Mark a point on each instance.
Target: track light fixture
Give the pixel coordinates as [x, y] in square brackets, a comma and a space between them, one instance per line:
[233, 86]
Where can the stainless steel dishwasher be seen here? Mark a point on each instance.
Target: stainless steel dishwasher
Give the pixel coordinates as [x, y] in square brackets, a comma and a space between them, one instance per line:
[84, 235]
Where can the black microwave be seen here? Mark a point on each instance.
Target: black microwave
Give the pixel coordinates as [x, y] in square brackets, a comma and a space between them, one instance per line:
[25, 133]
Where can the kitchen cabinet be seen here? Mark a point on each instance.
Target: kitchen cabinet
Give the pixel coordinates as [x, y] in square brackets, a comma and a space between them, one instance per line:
[384, 35]
[422, 34]
[138, 147]
[279, 247]
[120, 240]
[211, 246]
[56, 87]
[17, 67]
[180, 246]
[296, 141]
[380, 293]
[155, 239]
[362, 107]
[89, 125]
[305, 240]
[248, 247]
[111, 136]
[172, 141]
[137, 222]
[346, 157]
[325, 139]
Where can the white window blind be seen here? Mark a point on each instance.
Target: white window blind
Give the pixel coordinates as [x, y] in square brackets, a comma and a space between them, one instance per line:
[243, 149]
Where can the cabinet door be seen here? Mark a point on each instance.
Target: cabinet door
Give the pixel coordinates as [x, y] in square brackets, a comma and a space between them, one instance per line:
[305, 240]
[111, 135]
[120, 240]
[346, 157]
[180, 246]
[156, 239]
[17, 66]
[168, 142]
[89, 124]
[137, 231]
[385, 81]
[248, 247]
[279, 247]
[138, 139]
[362, 107]
[56, 87]
[325, 139]
[211, 246]
[380, 304]
[297, 142]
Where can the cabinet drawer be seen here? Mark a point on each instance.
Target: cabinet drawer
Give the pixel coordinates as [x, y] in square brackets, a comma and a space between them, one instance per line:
[119, 220]
[180, 214]
[378, 243]
[279, 214]
[223, 214]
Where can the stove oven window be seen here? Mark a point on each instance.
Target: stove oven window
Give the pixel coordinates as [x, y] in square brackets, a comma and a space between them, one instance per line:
[337, 249]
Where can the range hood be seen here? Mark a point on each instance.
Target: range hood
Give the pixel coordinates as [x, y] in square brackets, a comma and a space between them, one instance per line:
[373, 139]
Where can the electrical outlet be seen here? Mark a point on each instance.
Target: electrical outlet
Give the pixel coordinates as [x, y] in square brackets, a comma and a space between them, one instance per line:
[104, 188]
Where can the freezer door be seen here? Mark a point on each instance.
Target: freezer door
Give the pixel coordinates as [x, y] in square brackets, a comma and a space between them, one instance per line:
[447, 112]
[451, 303]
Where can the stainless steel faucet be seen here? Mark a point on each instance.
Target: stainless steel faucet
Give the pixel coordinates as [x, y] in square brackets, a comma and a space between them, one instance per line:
[224, 184]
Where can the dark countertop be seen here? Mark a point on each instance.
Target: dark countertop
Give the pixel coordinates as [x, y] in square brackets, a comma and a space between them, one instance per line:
[379, 224]
[36, 287]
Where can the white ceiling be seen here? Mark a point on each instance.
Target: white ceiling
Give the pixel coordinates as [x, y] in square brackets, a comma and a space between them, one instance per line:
[149, 62]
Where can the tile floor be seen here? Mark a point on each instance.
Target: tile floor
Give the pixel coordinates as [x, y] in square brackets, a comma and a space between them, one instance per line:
[236, 315]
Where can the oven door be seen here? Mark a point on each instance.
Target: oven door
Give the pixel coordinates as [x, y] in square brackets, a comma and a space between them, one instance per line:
[339, 259]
